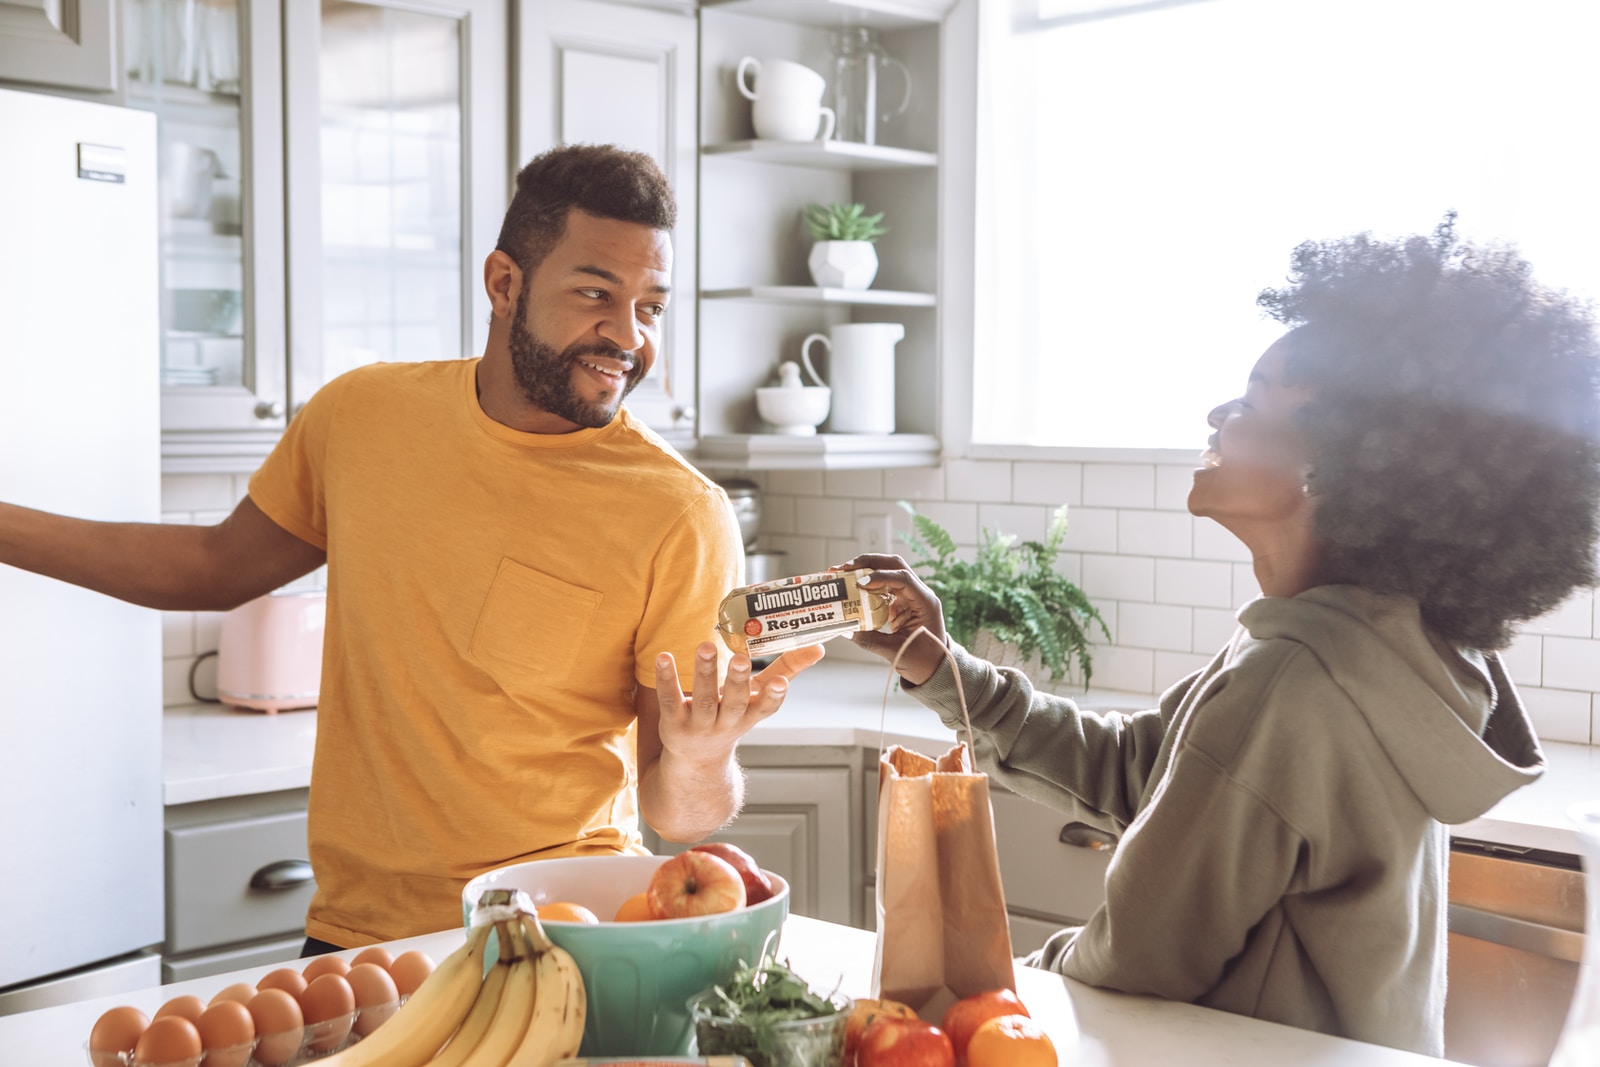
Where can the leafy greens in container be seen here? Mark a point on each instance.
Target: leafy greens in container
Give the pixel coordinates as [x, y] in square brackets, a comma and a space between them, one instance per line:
[769, 1014]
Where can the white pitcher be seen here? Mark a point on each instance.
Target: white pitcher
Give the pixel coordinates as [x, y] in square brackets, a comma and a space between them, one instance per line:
[860, 372]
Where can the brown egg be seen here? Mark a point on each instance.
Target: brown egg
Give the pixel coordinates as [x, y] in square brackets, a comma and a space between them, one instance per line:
[187, 1007]
[280, 1026]
[409, 969]
[287, 979]
[171, 1039]
[376, 996]
[321, 965]
[240, 991]
[227, 1031]
[117, 1031]
[329, 1006]
[373, 954]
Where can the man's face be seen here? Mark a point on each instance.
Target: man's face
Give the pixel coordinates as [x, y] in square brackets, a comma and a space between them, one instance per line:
[588, 319]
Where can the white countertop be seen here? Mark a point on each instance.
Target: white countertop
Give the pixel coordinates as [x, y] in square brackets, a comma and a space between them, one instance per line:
[1090, 1027]
[212, 752]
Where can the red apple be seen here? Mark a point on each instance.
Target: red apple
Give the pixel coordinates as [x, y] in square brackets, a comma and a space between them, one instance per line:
[864, 1011]
[893, 1042]
[757, 886]
[964, 1017]
[694, 883]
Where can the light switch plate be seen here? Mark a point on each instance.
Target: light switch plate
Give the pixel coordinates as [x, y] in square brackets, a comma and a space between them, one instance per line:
[874, 533]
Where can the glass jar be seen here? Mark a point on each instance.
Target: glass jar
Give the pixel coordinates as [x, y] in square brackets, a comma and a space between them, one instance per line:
[858, 62]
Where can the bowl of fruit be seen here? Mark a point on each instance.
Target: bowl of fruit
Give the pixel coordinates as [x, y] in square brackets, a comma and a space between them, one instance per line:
[648, 933]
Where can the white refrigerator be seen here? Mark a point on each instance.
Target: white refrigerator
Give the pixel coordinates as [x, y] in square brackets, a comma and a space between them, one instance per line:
[80, 673]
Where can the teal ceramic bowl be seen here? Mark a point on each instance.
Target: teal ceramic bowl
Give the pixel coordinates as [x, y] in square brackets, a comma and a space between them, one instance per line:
[639, 976]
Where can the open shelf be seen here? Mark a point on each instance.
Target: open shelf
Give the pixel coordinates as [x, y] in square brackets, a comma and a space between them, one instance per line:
[811, 294]
[833, 155]
[823, 451]
[831, 14]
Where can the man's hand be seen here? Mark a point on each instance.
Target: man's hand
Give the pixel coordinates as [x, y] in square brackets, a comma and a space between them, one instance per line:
[689, 781]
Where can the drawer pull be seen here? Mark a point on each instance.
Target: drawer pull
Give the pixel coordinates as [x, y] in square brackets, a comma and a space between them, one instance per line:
[1082, 835]
[284, 874]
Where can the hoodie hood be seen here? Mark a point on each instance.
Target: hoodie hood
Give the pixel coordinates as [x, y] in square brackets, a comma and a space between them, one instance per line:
[1449, 720]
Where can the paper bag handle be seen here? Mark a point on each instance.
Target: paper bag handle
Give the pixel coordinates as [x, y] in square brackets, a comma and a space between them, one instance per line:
[894, 672]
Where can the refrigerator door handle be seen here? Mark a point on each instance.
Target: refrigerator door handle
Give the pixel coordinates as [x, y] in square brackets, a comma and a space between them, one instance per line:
[281, 875]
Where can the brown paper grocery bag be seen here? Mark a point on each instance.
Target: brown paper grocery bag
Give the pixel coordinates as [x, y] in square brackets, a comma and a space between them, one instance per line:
[942, 927]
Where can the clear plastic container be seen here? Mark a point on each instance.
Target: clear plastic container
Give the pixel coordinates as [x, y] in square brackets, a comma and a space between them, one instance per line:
[817, 1042]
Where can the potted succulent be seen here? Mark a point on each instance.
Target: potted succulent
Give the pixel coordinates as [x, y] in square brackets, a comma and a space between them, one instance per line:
[1010, 605]
[843, 257]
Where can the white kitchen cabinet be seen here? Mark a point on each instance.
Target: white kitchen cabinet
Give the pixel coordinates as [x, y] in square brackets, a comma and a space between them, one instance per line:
[333, 174]
[757, 299]
[238, 883]
[800, 822]
[590, 71]
[66, 45]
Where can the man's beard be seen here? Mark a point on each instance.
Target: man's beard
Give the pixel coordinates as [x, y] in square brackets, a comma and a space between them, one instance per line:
[545, 375]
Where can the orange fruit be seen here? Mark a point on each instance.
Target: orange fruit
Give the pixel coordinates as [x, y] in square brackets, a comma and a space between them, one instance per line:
[962, 1019]
[562, 911]
[636, 909]
[1010, 1041]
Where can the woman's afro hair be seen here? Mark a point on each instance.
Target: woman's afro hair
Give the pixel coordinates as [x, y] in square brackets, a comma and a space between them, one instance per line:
[1454, 437]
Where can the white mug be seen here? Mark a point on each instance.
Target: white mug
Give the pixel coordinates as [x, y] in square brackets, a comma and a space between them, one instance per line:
[860, 372]
[787, 99]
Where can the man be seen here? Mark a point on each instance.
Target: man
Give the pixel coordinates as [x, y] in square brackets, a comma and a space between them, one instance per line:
[515, 566]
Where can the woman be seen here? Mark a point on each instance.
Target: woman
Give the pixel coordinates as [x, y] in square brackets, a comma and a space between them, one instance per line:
[1414, 468]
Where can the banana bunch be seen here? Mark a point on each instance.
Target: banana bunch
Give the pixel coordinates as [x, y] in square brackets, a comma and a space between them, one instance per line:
[526, 1011]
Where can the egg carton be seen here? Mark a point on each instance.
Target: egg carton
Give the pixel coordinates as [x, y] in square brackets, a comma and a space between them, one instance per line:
[316, 1041]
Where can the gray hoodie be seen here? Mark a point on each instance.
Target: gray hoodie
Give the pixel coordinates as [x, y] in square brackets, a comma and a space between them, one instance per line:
[1282, 815]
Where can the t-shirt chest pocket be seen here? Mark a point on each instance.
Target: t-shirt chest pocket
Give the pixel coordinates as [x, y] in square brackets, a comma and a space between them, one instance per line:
[532, 628]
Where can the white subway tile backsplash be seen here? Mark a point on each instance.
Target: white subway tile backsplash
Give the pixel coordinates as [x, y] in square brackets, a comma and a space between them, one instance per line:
[913, 483]
[1175, 666]
[864, 484]
[1573, 617]
[1092, 530]
[777, 515]
[1159, 626]
[979, 480]
[1155, 533]
[960, 520]
[795, 483]
[1119, 485]
[1571, 663]
[1199, 583]
[1211, 541]
[1025, 522]
[1213, 628]
[1559, 714]
[1172, 487]
[1119, 577]
[1131, 670]
[1524, 659]
[1052, 484]
[804, 555]
[825, 517]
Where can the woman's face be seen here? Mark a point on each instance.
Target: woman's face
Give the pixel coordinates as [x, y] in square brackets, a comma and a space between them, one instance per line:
[1254, 468]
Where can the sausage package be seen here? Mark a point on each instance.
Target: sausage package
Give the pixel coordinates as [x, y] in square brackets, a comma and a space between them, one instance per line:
[806, 609]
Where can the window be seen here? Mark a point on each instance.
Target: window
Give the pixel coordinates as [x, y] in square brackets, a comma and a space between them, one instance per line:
[1147, 167]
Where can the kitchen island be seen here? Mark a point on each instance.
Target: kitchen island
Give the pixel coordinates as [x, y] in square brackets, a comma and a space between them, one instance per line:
[1090, 1027]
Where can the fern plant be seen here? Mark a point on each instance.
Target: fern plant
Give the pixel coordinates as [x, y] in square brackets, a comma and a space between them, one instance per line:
[844, 222]
[1011, 589]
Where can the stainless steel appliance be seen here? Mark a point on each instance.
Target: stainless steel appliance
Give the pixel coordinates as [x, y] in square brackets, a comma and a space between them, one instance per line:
[1516, 944]
[80, 673]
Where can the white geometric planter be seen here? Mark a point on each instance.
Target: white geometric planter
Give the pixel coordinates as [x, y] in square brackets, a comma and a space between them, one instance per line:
[843, 264]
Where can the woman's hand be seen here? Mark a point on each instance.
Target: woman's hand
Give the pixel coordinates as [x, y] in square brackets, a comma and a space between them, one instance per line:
[914, 605]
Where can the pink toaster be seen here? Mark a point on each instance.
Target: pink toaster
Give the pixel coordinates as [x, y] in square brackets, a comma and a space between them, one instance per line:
[269, 653]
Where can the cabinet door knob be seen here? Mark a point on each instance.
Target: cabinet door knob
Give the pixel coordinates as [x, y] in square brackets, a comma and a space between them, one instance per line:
[681, 414]
[269, 409]
[284, 874]
[1082, 835]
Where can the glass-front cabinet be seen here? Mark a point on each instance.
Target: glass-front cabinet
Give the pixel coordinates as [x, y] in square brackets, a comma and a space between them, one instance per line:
[333, 173]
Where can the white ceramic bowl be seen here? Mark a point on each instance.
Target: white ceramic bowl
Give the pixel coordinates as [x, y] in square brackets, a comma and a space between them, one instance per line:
[794, 409]
[639, 976]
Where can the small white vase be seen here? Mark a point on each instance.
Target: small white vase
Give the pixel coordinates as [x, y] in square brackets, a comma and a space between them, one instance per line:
[843, 264]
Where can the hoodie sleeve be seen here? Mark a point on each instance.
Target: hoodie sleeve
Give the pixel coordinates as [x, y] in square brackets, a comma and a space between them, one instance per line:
[1044, 747]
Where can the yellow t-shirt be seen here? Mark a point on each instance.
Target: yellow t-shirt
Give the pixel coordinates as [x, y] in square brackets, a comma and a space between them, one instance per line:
[493, 598]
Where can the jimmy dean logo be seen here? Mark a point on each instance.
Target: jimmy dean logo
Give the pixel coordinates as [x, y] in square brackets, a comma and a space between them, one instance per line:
[795, 596]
